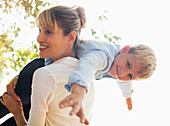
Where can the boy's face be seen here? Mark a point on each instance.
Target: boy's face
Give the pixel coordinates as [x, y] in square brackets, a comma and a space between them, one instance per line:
[125, 66]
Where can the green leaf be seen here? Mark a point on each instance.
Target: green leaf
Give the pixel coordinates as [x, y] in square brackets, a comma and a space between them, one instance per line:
[105, 17]
[93, 32]
[116, 38]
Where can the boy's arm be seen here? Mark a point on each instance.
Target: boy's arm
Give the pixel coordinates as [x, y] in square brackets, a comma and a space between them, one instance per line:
[80, 79]
[127, 90]
[88, 65]
[75, 100]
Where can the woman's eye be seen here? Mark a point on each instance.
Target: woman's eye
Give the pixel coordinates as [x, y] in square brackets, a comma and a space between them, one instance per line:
[130, 76]
[128, 64]
[39, 30]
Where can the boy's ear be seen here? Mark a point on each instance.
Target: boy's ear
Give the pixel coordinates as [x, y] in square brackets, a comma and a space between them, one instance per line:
[125, 49]
[72, 36]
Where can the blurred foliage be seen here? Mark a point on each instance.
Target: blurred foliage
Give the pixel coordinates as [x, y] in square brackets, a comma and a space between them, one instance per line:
[22, 57]
[109, 37]
[4, 48]
[11, 58]
[31, 7]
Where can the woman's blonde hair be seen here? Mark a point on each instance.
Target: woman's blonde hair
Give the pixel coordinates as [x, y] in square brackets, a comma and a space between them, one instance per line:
[66, 18]
[146, 59]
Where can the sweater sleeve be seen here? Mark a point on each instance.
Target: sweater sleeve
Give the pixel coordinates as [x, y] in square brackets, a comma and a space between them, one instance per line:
[125, 87]
[42, 95]
[88, 65]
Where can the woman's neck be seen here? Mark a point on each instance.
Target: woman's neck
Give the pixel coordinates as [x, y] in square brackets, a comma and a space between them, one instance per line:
[69, 54]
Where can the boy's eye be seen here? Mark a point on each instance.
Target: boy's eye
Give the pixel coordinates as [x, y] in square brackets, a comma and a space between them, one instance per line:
[39, 30]
[130, 76]
[128, 64]
[48, 32]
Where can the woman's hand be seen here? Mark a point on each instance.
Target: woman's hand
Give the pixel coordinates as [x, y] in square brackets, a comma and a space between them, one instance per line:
[75, 100]
[13, 106]
[10, 88]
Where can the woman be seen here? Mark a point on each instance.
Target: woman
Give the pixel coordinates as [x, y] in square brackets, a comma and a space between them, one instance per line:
[59, 30]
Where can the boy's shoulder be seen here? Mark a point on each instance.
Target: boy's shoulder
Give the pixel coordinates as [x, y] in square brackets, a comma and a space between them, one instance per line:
[90, 44]
[95, 42]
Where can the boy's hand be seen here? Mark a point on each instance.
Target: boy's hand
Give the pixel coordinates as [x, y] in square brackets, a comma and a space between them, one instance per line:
[10, 88]
[129, 103]
[75, 100]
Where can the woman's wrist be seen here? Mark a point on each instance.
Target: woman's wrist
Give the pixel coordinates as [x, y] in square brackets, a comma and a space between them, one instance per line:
[20, 118]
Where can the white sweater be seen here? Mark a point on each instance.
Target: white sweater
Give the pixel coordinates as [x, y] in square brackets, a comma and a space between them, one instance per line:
[48, 90]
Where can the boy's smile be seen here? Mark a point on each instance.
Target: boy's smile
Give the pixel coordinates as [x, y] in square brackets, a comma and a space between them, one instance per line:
[125, 66]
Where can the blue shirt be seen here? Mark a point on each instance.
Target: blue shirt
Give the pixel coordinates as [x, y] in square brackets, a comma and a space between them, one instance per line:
[95, 60]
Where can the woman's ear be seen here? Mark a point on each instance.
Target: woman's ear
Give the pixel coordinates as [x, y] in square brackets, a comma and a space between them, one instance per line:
[72, 36]
[125, 49]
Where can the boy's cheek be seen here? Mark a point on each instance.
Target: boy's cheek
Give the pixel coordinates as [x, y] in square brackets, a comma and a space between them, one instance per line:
[112, 72]
[125, 79]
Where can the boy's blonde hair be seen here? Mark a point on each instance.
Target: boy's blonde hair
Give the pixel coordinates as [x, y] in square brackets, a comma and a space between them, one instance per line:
[147, 60]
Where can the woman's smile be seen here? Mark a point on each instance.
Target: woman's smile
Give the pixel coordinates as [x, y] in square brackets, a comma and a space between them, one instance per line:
[42, 48]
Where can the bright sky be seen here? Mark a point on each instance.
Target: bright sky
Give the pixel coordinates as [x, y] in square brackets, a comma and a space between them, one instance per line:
[136, 22]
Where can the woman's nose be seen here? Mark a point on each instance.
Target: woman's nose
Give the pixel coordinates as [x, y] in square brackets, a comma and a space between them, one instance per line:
[40, 38]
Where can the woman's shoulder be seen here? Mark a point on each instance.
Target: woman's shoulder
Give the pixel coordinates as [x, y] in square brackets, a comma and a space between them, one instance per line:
[58, 66]
[41, 72]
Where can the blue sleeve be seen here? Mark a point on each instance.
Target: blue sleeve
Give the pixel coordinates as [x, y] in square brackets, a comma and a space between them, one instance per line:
[88, 65]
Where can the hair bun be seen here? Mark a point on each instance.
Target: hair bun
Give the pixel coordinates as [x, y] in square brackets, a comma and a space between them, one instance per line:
[82, 16]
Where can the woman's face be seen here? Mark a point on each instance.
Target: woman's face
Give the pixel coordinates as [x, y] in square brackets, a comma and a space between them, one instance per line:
[53, 44]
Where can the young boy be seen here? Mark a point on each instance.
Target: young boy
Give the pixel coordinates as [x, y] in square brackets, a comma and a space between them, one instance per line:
[99, 59]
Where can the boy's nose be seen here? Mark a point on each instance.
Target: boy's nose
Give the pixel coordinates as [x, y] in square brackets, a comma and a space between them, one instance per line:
[124, 73]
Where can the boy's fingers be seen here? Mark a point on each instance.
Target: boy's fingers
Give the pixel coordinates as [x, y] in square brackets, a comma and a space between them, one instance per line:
[129, 107]
[82, 117]
[65, 103]
[86, 122]
[75, 109]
